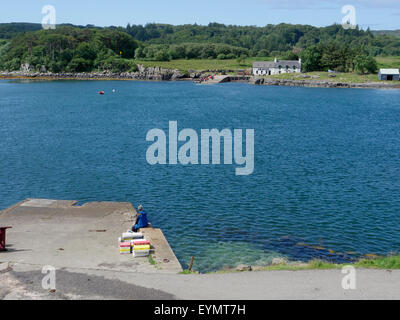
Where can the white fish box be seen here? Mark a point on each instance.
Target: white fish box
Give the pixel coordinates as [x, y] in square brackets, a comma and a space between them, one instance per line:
[131, 236]
[141, 253]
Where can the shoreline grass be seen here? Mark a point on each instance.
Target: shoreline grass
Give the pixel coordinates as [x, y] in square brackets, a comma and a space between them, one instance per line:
[151, 260]
[391, 262]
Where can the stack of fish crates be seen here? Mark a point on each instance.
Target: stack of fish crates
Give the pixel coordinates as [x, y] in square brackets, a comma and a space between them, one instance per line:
[135, 244]
[140, 248]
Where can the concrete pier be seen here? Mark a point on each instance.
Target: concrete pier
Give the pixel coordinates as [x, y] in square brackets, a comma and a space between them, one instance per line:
[226, 78]
[63, 235]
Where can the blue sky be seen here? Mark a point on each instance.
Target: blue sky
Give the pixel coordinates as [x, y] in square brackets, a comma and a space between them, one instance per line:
[377, 14]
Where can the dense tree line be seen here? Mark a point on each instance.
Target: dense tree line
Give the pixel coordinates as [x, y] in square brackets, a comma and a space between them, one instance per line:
[270, 39]
[190, 51]
[339, 57]
[70, 49]
[10, 30]
[88, 48]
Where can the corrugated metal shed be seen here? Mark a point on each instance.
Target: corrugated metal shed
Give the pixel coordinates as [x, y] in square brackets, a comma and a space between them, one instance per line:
[389, 74]
[389, 71]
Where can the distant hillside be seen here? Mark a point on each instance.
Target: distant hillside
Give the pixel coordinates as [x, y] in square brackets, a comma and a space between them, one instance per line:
[264, 41]
[285, 40]
[388, 32]
[10, 30]
[87, 48]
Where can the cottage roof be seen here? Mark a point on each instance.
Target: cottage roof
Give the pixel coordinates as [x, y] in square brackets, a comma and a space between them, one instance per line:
[273, 64]
[389, 71]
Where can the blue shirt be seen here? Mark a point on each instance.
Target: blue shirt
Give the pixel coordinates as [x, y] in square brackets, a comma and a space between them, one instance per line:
[142, 222]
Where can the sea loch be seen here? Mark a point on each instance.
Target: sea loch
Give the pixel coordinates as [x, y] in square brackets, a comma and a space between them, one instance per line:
[326, 178]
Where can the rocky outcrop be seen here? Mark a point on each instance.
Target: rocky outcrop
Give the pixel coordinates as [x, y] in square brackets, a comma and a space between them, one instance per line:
[26, 67]
[157, 73]
[143, 73]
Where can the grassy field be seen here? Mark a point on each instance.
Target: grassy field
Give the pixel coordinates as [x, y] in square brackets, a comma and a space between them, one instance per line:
[234, 65]
[388, 62]
[204, 64]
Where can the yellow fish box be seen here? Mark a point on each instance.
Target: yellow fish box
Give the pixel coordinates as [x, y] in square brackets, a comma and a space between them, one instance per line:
[141, 248]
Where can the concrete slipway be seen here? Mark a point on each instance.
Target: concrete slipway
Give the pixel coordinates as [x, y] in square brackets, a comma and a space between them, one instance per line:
[81, 243]
[63, 235]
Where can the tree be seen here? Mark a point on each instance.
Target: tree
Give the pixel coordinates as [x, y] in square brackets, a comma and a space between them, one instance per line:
[311, 59]
[290, 55]
[365, 64]
[162, 55]
[85, 51]
[139, 53]
[333, 57]
[263, 53]
[80, 65]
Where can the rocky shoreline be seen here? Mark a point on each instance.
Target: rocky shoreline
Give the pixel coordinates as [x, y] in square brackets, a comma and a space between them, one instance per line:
[151, 73]
[160, 74]
[323, 83]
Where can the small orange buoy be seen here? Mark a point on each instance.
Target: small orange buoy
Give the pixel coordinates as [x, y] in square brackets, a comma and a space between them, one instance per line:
[101, 92]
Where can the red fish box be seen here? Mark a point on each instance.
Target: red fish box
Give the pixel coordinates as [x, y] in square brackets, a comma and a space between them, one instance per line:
[140, 242]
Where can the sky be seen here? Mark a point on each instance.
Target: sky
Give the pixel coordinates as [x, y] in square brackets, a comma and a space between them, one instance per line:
[376, 14]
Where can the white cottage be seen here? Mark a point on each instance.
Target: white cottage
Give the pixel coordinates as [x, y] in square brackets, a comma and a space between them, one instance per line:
[276, 67]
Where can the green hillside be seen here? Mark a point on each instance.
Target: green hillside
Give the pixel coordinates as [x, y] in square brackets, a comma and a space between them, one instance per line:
[87, 48]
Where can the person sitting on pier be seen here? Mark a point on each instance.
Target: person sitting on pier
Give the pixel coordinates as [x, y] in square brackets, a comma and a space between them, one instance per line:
[141, 220]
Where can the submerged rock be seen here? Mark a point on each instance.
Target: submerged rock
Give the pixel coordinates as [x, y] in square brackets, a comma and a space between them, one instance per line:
[243, 267]
[278, 261]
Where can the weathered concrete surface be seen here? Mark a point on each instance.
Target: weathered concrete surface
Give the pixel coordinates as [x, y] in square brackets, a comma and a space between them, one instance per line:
[226, 78]
[217, 79]
[57, 233]
[24, 282]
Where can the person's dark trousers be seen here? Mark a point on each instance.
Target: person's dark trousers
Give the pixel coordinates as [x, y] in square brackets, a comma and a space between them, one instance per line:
[136, 222]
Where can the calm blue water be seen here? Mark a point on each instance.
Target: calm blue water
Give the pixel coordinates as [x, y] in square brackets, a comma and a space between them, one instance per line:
[327, 164]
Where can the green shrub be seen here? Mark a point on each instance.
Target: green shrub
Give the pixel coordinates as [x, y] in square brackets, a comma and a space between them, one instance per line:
[80, 65]
[117, 64]
[365, 64]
